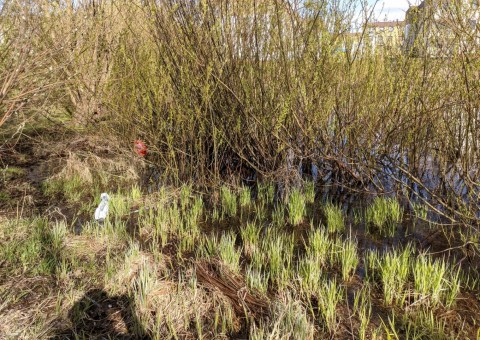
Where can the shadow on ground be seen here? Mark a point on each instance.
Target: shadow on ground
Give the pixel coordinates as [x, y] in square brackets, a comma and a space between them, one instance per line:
[99, 316]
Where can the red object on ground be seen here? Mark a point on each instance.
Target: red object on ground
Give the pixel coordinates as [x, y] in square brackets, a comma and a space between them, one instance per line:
[140, 148]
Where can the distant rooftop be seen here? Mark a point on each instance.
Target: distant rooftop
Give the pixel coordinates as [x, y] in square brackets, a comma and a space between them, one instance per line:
[382, 24]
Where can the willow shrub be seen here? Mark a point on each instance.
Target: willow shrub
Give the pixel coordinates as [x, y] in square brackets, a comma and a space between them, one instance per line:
[217, 88]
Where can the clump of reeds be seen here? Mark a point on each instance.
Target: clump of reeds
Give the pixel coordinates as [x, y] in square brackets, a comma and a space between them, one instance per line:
[348, 258]
[229, 201]
[257, 279]
[296, 207]
[335, 220]
[309, 190]
[245, 197]
[309, 273]
[362, 307]
[319, 245]
[434, 282]
[422, 322]
[266, 192]
[278, 215]
[119, 206]
[185, 196]
[394, 269]
[385, 214]
[278, 248]
[329, 295]
[228, 252]
[251, 237]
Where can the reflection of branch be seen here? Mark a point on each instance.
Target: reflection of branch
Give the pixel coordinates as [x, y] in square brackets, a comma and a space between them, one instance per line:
[437, 198]
[465, 245]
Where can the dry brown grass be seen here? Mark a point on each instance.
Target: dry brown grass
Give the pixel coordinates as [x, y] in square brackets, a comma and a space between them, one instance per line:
[217, 277]
[28, 307]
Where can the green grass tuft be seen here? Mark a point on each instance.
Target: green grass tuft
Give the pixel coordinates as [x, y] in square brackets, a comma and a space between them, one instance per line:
[229, 254]
[251, 237]
[334, 215]
[329, 295]
[278, 215]
[245, 197]
[319, 245]
[385, 214]
[309, 189]
[266, 192]
[229, 201]
[296, 207]
[348, 259]
[433, 283]
[395, 269]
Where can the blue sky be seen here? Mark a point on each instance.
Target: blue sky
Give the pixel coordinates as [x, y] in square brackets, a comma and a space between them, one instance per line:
[392, 9]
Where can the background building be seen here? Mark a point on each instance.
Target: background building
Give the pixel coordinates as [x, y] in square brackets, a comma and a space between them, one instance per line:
[385, 34]
[442, 28]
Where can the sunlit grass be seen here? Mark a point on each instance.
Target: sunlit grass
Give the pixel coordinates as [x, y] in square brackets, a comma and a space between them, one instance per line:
[395, 270]
[348, 259]
[329, 295]
[216, 215]
[245, 197]
[161, 225]
[433, 285]
[335, 220]
[30, 250]
[357, 216]
[278, 248]
[228, 252]
[192, 216]
[362, 307]
[187, 241]
[260, 209]
[310, 273]
[309, 190]
[208, 247]
[266, 192]
[119, 206]
[303, 274]
[278, 215]
[384, 214]
[224, 319]
[296, 207]
[229, 201]
[371, 265]
[422, 324]
[257, 279]
[143, 285]
[58, 233]
[135, 192]
[185, 195]
[72, 187]
[319, 245]
[251, 237]
[420, 211]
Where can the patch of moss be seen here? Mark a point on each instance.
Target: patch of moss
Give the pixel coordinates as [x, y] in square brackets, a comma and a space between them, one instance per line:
[72, 188]
[4, 196]
[11, 172]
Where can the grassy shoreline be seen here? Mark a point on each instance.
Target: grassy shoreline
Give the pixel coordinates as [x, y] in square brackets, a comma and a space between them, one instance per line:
[181, 264]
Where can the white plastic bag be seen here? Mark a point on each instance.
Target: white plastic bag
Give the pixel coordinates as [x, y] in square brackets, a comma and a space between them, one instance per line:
[102, 210]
